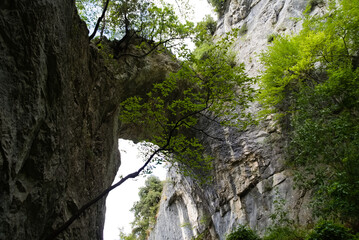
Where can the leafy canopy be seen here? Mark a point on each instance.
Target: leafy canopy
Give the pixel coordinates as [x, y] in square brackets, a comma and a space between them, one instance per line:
[156, 22]
[208, 88]
[313, 79]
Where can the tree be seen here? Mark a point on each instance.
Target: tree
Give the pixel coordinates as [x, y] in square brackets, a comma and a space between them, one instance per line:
[145, 210]
[208, 86]
[218, 5]
[140, 18]
[312, 80]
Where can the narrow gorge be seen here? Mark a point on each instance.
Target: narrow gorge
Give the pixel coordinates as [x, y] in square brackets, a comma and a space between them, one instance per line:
[60, 99]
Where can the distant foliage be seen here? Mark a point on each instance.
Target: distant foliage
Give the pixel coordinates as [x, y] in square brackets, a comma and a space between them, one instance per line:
[205, 30]
[313, 3]
[218, 5]
[242, 233]
[312, 80]
[328, 230]
[285, 233]
[323, 230]
[145, 210]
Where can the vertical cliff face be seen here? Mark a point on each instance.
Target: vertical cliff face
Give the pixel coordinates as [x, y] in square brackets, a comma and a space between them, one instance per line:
[57, 149]
[249, 172]
[59, 100]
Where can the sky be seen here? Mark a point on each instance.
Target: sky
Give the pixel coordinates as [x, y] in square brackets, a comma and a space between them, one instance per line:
[120, 200]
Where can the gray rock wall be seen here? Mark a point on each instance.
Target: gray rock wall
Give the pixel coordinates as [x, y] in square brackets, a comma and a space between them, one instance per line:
[59, 105]
[58, 122]
[249, 172]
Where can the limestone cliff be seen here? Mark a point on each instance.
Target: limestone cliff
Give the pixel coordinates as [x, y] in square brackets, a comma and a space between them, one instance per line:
[59, 100]
[249, 174]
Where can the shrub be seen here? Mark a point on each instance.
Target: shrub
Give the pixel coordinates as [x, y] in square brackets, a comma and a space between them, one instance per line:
[242, 233]
[218, 5]
[285, 233]
[312, 80]
[327, 230]
[203, 236]
[243, 30]
[271, 37]
[313, 3]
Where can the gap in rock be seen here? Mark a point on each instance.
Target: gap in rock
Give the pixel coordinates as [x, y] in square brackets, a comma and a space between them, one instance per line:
[120, 200]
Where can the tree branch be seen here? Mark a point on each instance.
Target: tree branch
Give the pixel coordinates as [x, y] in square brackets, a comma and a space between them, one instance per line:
[150, 51]
[64, 226]
[204, 132]
[99, 20]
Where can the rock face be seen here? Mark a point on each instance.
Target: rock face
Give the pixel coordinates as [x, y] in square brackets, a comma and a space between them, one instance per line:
[59, 101]
[250, 180]
[57, 149]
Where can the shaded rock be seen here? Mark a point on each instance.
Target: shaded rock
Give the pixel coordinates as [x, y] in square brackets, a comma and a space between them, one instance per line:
[59, 98]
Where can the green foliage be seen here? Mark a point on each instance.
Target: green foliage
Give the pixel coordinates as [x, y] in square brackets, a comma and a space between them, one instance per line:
[89, 10]
[271, 37]
[280, 216]
[203, 235]
[242, 233]
[282, 228]
[124, 236]
[328, 230]
[210, 88]
[275, 83]
[285, 233]
[204, 31]
[313, 79]
[143, 18]
[313, 3]
[218, 5]
[243, 30]
[146, 208]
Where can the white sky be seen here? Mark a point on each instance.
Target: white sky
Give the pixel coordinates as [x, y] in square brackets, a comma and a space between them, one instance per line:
[120, 200]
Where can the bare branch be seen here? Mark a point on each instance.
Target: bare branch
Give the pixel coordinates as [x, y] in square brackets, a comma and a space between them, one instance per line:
[150, 51]
[64, 226]
[205, 133]
[99, 20]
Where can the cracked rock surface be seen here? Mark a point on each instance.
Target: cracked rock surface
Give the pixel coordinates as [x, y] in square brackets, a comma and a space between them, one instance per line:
[249, 171]
[59, 106]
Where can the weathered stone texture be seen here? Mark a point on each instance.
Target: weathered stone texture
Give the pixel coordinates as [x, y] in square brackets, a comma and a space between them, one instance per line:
[59, 102]
[58, 121]
[249, 171]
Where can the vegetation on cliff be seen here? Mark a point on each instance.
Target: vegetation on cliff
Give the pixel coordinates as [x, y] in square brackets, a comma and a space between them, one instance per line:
[209, 86]
[323, 230]
[145, 209]
[311, 82]
[218, 5]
